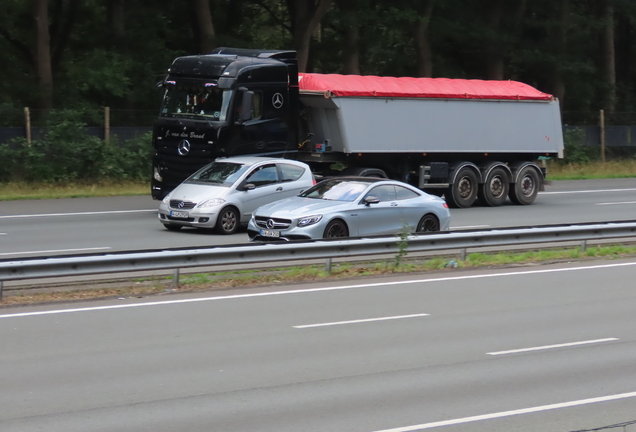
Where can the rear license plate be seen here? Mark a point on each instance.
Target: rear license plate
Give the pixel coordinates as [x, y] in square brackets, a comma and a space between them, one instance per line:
[269, 233]
[179, 214]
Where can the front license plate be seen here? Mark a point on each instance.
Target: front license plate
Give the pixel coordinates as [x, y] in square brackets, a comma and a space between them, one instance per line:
[269, 233]
[179, 214]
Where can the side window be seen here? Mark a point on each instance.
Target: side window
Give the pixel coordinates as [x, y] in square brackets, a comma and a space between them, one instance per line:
[383, 193]
[290, 172]
[264, 175]
[404, 193]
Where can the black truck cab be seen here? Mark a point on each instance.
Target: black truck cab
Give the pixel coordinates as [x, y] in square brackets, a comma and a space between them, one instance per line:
[227, 103]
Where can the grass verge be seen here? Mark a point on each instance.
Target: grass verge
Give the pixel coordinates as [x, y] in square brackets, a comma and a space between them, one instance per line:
[250, 278]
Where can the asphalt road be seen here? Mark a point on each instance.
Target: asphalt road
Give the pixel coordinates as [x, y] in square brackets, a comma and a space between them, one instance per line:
[550, 349]
[88, 225]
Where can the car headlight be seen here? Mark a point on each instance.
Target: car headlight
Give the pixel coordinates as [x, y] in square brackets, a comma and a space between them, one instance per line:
[166, 200]
[212, 202]
[309, 220]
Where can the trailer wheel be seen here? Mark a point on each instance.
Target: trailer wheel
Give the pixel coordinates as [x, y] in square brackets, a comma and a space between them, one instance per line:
[364, 172]
[525, 190]
[463, 192]
[494, 191]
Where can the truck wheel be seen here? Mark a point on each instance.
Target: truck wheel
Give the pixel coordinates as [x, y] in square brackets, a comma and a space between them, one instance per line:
[495, 189]
[228, 221]
[336, 228]
[428, 223]
[525, 190]
[463, 192]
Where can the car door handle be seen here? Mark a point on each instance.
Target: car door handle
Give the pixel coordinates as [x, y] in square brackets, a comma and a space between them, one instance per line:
[394, 204]
[279, 189]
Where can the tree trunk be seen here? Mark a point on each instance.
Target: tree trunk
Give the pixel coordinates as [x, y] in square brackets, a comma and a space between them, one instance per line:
[420, 35]
[351, 51]
[608, 67]
[116, 20]
[558, 84]
[207, 37]
[43, 54]
[305, 17]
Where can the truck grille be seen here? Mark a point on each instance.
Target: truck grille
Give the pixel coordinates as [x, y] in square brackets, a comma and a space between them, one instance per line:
[261, 222]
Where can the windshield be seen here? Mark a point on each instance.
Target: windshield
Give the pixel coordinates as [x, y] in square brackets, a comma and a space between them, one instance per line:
[336, 190]
[218, 173]
[209, 101]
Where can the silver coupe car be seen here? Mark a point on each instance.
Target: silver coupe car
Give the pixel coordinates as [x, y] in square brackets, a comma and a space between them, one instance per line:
[224, 193]
[349, 207]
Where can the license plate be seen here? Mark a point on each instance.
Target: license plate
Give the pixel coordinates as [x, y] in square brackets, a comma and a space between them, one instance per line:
[179, 214]
[269, 233]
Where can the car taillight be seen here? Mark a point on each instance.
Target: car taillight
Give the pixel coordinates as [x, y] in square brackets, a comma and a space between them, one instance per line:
[445, 205]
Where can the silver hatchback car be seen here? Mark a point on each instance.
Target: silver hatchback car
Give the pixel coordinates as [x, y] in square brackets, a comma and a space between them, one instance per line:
[350, 207]
[224, 193]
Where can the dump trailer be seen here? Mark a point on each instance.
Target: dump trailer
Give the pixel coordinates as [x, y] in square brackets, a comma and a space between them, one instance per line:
[469, 140]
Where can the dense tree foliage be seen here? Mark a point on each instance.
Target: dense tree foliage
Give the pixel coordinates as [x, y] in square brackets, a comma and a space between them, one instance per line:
[82, 54]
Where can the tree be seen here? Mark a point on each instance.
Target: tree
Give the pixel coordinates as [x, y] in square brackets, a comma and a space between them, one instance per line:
[205, 27]
[305, 18]
[43, 53]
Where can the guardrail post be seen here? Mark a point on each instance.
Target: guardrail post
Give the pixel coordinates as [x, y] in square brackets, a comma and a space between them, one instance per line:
[462, 255]
[583, 245]
[175, 278]
[0, 290]
[328, 266]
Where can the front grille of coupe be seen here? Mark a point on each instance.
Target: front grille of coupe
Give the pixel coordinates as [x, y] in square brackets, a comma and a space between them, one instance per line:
[277, 223]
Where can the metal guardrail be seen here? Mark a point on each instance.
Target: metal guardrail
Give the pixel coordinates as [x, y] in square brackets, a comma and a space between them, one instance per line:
[36, 268]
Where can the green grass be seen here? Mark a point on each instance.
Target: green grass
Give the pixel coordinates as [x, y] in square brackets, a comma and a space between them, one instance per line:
[594, 170]
[234, 279]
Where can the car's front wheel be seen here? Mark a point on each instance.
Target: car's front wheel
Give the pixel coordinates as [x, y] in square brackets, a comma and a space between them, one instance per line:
[336, 228]
[228, 221]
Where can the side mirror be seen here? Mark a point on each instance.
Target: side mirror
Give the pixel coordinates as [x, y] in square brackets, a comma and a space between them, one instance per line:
[248, 187]
[370, 200]
[247, 101]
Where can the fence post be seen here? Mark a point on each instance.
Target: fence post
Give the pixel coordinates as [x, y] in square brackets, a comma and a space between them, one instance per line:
[603, 135]
[107, 124]
[175, 278]
[27, 120]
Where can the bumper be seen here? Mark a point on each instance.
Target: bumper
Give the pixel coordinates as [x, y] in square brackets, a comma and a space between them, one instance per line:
[196, 220]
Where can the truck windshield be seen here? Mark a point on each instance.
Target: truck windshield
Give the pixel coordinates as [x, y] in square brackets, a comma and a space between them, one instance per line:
[210, 102]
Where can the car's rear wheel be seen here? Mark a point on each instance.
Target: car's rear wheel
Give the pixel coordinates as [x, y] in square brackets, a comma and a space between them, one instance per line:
[336, 228]
[428, 223]
[228, 221]
[172, 227]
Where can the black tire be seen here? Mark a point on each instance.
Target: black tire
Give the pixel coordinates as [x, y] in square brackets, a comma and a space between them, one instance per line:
[364, 172]
[228, 221]
[494, 191]
[463, 192]
[336, 228]
[172, 227]
[525, 190]
[428, 223]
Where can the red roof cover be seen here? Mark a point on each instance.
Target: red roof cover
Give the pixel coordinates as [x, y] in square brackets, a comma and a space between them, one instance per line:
[374, 86]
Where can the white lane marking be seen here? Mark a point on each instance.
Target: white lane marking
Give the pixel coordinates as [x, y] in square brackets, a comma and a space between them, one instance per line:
[55, 251]
[75, 214]
[587, 191]
[313, 290]
[546, 347]
[360, 321]
[617, 203]
[511, 413]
